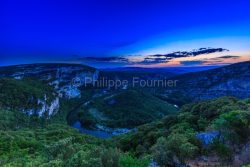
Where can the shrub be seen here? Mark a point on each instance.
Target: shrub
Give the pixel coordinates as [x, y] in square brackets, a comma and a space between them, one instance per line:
[127, 160]
[161, 154]
[180, 146]
[110, 157]
[88, 158]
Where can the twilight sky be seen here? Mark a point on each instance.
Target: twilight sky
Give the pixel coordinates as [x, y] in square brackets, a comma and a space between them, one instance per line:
[113, 33]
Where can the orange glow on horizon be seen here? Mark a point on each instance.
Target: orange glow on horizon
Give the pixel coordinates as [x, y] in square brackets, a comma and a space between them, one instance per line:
[206, 59]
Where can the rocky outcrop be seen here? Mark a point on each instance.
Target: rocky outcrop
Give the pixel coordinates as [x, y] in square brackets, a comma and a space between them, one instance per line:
[207, 138]
[232, 80]
[69, 91]
[239, 159]
[205, 161]
[242, 158]
[44, 107]
[61, 77]
[153, 164]
[65, 78]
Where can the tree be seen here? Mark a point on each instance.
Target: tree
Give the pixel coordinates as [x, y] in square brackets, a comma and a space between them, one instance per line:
[180, 146]
[127, 160]
[161, 155]
[88, 158]
[110, 157]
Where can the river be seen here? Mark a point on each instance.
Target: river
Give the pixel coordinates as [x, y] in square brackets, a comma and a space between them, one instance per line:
[102, 132]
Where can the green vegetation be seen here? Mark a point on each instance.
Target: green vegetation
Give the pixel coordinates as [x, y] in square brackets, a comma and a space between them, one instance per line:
[68, 107]
[247, 165]
[34, 141]
[14, 120]
[127, 160]
[175, 98]
[125, 109]
[167, 136]
[173, 139]
[55, 145]
[23, 94]
[30, 140]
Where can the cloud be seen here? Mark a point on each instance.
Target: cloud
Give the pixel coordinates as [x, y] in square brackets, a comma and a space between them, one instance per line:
[149, 60]
[191, 53]
[228, 57]
[220, 59]
[208, 61]
[105, 59]
[163, 58]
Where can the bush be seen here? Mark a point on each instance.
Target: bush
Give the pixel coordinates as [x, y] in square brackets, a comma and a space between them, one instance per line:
[53, 163]
[222, 150]
[234, 126]
[110, 157]
[180, 146]
[127, 160]
[88, 158]
[161, 154]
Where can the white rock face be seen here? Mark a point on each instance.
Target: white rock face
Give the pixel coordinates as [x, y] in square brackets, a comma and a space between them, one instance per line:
[42, 110]
[70, 92]
[67, 76]
[18, 77]
[71, 89]
[54, 106]
[50, 109]
[60, 76]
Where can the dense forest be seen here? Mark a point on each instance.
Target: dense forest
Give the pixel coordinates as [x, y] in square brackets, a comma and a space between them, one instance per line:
[218, 127]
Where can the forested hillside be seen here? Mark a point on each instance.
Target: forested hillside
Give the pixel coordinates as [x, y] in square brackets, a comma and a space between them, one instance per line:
[36, 115]
[215, 130]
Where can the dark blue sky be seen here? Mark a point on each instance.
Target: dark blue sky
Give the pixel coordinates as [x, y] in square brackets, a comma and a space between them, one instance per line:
[49, 31]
